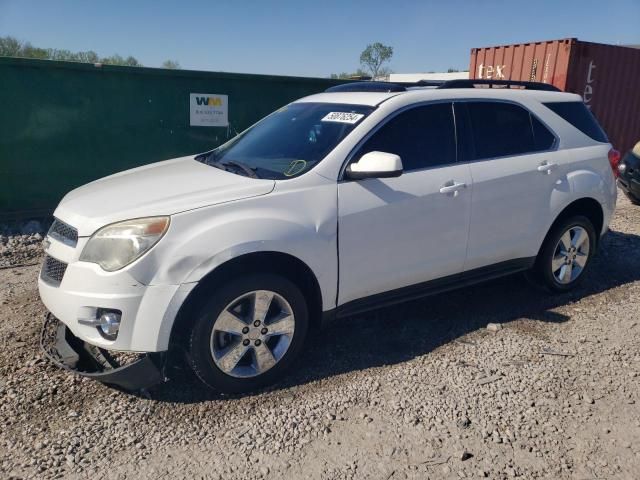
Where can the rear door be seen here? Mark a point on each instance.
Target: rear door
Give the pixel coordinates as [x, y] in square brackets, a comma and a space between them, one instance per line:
[515, 168]
[396, 232]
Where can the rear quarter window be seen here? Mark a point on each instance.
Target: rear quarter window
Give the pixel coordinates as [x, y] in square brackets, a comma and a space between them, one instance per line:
[578, 115]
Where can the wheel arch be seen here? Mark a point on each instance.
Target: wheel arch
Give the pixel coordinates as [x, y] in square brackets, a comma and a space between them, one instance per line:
[274, 262]
[585, 206]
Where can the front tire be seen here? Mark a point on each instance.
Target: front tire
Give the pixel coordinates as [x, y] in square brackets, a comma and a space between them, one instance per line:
[248, 334]
[566, 254]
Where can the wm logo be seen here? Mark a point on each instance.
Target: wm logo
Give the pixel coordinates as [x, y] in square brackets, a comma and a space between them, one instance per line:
[211, 101]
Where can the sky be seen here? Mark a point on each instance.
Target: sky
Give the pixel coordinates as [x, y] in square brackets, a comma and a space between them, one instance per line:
[310, 38]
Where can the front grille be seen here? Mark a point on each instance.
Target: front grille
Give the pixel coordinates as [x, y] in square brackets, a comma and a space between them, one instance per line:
[53, 270]
[63, 233]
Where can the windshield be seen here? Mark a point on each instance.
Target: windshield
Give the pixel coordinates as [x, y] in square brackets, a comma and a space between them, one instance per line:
[289, 142]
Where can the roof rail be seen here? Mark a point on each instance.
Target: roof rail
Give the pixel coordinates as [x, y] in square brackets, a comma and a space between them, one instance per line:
[471, 83]
[367, 87]
[423, 83]
[388, 87]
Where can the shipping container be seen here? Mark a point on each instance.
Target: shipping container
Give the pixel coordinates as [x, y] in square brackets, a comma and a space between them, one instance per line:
[607, 77]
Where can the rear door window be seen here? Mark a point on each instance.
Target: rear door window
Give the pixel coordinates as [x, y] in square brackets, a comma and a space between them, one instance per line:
[578, 115]
[501, 129]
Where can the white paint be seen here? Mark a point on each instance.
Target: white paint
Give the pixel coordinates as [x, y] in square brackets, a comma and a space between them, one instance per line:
[378, 162]
[396, 232]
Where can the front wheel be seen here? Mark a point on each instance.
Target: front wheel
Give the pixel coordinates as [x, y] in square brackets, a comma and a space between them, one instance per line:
[247, 335]
[566, 254]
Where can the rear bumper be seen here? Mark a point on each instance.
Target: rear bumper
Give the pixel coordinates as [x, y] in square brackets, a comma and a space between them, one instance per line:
[70, 353]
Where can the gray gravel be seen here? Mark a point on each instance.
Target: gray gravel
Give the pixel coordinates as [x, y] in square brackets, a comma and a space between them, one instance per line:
[16, 250]
[423, 390]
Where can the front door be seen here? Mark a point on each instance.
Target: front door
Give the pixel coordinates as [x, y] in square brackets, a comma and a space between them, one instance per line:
[397, 232]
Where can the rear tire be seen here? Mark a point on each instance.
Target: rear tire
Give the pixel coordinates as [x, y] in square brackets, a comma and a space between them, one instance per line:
[632, 198]
[248, 334]
[566, 254]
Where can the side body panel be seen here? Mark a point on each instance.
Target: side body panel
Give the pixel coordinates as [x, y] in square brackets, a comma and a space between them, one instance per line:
[514, 204]
[511, 206]
[401, 231]
[590, 176]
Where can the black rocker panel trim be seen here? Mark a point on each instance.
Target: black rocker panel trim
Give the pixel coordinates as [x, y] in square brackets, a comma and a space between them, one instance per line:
[431, 287]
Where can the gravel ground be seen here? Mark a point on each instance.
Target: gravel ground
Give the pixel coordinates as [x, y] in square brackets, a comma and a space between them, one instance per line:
[20, 249]
[423, 390]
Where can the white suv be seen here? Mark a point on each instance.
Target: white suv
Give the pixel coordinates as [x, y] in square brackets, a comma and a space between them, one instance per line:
[365, 195]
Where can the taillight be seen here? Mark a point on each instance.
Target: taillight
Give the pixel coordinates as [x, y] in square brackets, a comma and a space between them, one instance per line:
[614, 160]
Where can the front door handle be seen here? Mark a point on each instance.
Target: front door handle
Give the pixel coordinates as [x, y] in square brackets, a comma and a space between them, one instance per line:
[452, 187]
[546, 167]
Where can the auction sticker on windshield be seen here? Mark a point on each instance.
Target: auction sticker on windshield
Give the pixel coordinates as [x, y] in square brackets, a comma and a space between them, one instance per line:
[342, 117]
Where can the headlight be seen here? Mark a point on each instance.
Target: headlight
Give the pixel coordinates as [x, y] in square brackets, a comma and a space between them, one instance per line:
[117, 245]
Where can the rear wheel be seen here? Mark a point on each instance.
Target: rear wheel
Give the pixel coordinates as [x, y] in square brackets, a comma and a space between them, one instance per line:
[247, 335]
[632, 198]
[566, 254]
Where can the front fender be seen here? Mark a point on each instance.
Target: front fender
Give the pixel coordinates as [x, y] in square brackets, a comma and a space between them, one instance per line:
[303, 225]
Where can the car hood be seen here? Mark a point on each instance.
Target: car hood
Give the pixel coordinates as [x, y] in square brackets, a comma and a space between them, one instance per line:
[162, 188]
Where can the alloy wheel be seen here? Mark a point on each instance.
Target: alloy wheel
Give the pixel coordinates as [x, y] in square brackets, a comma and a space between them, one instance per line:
[570, 255]
[252, 334]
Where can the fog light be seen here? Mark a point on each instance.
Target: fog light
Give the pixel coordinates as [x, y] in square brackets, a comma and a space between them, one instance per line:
[622, 167]
[110, 324]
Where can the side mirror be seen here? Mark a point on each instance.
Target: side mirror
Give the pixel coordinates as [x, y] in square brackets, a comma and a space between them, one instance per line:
[375, 165]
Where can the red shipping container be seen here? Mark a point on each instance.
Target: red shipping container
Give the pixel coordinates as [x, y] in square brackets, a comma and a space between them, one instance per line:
[607, 77]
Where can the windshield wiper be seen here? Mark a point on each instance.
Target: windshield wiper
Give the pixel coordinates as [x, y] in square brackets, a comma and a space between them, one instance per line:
[249, 171]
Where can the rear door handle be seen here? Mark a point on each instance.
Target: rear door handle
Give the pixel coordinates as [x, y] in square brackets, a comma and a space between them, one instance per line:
[452, 187]
[546, 167]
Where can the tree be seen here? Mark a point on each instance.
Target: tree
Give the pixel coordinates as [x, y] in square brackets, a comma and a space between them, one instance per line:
[345, 76]
[12, 47]
[30, 51]
[9, 47]
[68, 56]
[374, 56]
[171, 64]
[118, 60]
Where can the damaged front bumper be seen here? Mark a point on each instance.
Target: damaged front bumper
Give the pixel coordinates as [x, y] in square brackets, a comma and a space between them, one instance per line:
[70, 353]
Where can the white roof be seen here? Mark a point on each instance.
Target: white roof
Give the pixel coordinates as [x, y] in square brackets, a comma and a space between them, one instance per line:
[493, 93]
[351, 98]
[424, 94]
